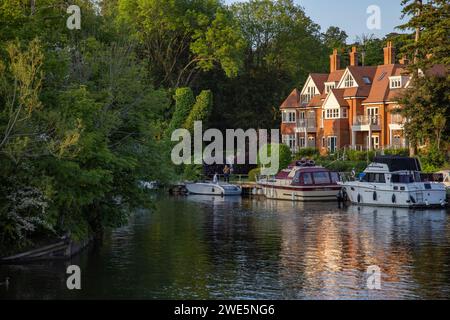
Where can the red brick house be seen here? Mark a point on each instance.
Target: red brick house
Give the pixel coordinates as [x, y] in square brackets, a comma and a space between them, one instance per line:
[348, 107]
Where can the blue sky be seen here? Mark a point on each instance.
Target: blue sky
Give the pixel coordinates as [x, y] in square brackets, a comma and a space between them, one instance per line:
[351, 16]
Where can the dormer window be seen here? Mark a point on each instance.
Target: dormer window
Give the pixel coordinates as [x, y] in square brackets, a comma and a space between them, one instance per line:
[349, 81]
[395, 82]
[367, 80]
[329, 86]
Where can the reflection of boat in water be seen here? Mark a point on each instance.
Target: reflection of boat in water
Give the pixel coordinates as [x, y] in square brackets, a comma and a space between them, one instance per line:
[210, 188]
[201, 198]
[302, 181]
[395, 182]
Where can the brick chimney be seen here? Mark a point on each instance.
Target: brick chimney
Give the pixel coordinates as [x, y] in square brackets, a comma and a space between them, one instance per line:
[354, 57]
[389, 53]
[335, 61]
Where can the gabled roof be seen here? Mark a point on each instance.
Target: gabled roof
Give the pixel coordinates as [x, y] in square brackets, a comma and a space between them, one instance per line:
[360, 72]
[335, 76]
[316, 101]
[292, 101]
[379, 91]
[338, 95]
[319, 80]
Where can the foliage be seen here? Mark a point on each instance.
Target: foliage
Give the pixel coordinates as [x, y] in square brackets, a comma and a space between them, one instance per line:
[200, 111]
[184, 100]
[426, 100]
[432, 159]
[253, 174]
[355, 155]
[283, 152]
[432, 42]
[307, 153]
[181, 38]
[343, 166]
[335, 38]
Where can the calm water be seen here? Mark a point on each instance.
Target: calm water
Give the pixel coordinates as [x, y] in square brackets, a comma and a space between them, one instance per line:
[209, 248]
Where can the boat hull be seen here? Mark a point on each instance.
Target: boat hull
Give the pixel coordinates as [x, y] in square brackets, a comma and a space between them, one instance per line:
[385, 195]
[305, 194]
[213, 189]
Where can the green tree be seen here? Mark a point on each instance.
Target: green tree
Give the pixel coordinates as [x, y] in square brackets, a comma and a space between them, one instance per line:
[200, 111]
[335, 38]
[182, 38]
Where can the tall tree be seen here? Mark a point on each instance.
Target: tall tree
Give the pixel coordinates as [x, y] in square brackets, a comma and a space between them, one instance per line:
[182, 38]
[427, 96]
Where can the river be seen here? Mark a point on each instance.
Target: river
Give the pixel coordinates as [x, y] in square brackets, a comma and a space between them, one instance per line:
[201, 247]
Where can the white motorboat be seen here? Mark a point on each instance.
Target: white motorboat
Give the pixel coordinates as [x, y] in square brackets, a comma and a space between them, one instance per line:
[302, 181]
[395, 182]
[211, 188]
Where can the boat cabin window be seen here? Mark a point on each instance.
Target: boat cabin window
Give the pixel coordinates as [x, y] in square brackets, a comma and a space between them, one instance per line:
[321, 177]
[334, 177]
[402, 178]
[307, 178]
[373, 177]
[296, 179]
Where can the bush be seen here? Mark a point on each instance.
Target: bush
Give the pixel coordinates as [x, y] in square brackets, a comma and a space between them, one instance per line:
[432, 160]
[354, 155]
[252, 174]
[343, 166]
[307, 153]
[285, 155]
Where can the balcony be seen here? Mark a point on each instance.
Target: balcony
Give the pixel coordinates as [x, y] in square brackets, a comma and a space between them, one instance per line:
[308, 125]
[366, 123]
[397, 122]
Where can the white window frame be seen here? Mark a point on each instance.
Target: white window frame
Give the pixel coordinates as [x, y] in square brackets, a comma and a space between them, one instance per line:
[289, 116]
[395, 82]
[329, 86]
[329, 138]
[349, 82]
[333, 113]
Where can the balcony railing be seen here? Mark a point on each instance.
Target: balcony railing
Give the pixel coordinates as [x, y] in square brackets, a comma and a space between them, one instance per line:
[397, 119]
[306, 123]
[367, 120]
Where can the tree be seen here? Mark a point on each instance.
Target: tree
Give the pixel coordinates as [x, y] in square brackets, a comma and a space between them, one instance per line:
[431, 43]
[427, 96]
[200, 111]
[182, 38]
[335, 38]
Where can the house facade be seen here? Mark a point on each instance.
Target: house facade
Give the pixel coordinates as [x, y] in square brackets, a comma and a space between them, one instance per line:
[347, 108]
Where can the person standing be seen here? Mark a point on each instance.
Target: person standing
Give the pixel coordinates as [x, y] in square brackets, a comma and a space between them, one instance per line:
[226, 173]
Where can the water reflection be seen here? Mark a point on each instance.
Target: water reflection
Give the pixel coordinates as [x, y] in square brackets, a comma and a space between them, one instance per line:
[212, 247]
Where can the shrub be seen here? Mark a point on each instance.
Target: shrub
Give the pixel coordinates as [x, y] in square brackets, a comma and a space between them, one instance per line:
[432, 160]
[307, 153]
[285, 155]
[355, 155]
[252, 174]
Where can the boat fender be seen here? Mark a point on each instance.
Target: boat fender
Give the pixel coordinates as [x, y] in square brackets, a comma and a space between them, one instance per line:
[412, 199]
[394, 199]
[375, 195]
[359, 198]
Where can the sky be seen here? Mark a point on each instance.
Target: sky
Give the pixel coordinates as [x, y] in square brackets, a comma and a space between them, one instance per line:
[351, 15]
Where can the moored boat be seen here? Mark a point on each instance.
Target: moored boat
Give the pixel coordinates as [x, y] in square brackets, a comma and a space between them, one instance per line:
[302, 181]
[212, 188]
[395, 182]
